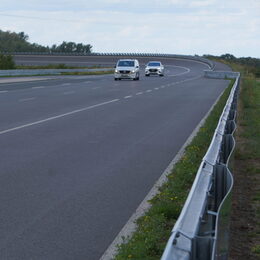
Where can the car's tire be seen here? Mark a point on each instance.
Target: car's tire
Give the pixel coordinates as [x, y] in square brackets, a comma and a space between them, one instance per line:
[147, 75]
[115, 79]
[161, 75]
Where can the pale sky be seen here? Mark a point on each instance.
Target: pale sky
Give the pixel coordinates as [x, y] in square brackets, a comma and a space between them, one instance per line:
[157, 26]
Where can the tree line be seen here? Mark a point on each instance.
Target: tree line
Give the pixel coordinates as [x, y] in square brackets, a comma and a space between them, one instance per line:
[248, 61]
[19, 42]
[252, 65]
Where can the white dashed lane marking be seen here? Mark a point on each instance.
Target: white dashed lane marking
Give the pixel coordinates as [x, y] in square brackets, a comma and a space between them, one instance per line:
[68, 92]
[58, 116]
[26, 99]
[38, 87]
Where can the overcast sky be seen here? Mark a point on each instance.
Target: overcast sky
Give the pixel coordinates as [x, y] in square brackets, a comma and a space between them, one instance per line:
[158, 26]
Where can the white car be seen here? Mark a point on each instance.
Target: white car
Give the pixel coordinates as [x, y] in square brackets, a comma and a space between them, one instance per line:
[127, 69]
[154, 68]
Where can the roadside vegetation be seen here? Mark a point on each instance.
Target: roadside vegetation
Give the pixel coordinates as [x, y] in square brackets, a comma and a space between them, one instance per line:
[88, 73]
[245, 65]
[6, 62]
[154, 228]
[19, 42]
[245, 218]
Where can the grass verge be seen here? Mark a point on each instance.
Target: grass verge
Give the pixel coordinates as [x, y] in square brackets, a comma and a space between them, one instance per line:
[245, 218]
[88, 73]
[154, 228]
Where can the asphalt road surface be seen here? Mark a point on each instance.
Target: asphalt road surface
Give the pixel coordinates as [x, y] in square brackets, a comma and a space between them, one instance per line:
[79, 154]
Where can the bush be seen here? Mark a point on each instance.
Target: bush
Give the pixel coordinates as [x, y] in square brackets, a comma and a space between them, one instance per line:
[6, 62]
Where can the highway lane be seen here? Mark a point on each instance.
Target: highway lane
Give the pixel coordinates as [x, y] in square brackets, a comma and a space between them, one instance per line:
[78, 155]
[39, 98]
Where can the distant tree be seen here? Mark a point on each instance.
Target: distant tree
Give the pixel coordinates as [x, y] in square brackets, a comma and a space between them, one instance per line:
[252, 64]
[71, 47]
[228, 57]
[18, 42]
[23, 36]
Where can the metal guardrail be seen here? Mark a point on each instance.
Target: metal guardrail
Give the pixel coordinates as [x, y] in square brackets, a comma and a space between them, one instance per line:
[201, 231]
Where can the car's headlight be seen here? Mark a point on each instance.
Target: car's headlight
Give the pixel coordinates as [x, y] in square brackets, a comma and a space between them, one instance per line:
[133, 71]
[116, 71]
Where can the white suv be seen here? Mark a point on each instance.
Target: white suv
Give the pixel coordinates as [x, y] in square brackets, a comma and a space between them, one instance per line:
[127, 69]
[154, 68]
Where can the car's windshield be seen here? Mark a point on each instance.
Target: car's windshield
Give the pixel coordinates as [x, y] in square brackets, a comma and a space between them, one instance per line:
[126, 63]
[154, 64]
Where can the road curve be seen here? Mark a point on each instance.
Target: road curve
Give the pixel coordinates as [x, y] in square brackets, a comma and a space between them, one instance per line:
[79, 154]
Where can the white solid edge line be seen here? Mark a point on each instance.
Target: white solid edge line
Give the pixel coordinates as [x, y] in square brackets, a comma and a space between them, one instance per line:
[130, 227]
[56, 117]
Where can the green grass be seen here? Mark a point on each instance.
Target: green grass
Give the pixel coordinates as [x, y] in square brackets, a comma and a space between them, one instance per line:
[256, 250]
[248, 151]
[88, 73]
[250, 98]
[154, 228]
